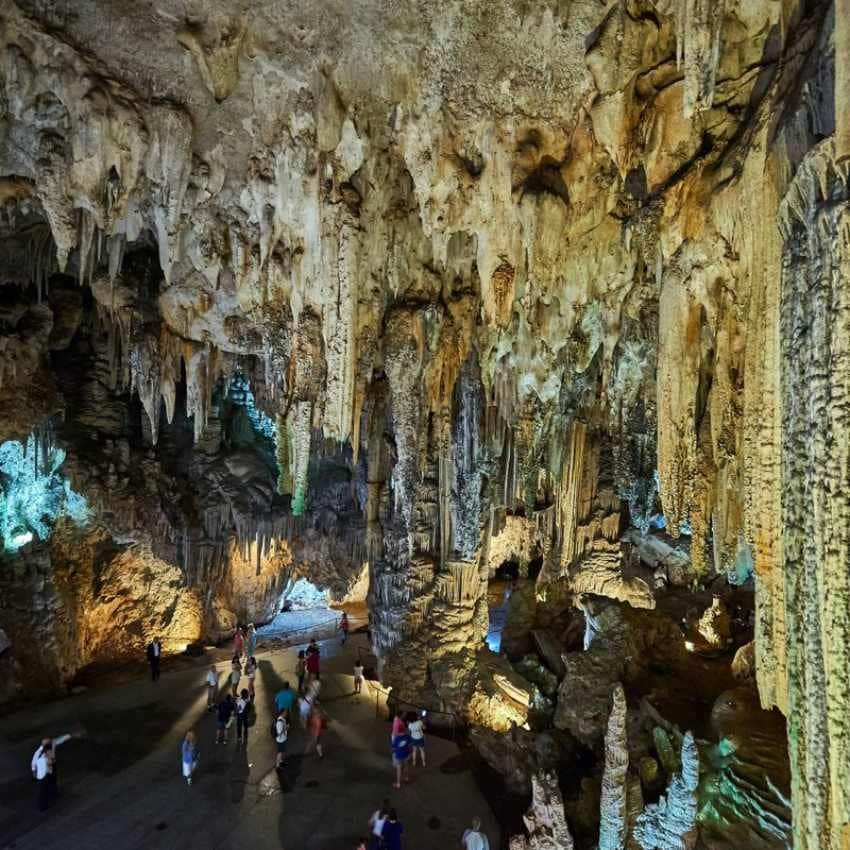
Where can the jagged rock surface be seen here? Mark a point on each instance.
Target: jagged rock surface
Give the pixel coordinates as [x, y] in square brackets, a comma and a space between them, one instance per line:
[495, 265]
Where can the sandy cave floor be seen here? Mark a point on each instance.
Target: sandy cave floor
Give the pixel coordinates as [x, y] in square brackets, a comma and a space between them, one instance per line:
[121, 786]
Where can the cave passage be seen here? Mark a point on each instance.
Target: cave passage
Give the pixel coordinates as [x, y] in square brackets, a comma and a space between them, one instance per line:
[501, 345]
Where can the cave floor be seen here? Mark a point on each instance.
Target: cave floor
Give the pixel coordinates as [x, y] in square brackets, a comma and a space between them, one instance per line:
[121, 786]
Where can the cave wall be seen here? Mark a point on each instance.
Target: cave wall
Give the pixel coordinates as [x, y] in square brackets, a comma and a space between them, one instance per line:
[545, 276]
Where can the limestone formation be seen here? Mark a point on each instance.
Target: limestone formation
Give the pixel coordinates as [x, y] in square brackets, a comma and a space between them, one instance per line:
[436, 293]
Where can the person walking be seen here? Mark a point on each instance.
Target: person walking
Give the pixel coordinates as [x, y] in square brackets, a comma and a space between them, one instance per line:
[251, 640]
[251, 672]
[474, 838]
[399, 725]
[401, 758]
[243, 710]
[281, 733]
[224, 718]
[238, 642]
[392, 832]
[416, 728]
[154, 653]
[301, 669]
[313, 659]
[43, 766]
[305, 706]
[315, 726]
[235, 675]
[189, 756]
[376, 826]
[358, 676]
[344, 627]
[212, 687]
[284, 700]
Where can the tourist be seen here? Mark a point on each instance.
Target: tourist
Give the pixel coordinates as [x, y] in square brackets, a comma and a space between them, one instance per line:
[358, 676]
[376, 826]
[474, 838]
[243, 710]
[251, 641]
[392, 832]
[190, 756]
[251, 672]
[399, 725]
[305, 706]
[314, 687]
[212, 687]
[361, 844]
[301, 670]
[416, 728]
[284, 700]
[312, 662]
[343, 627]
[224, 718]
[238, 642]
[401, 757]
[281, 733]
[316, 723]
[235, 675]
[43, 766]
[154, 653]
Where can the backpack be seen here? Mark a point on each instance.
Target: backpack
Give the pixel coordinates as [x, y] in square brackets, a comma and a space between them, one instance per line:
[273, 729]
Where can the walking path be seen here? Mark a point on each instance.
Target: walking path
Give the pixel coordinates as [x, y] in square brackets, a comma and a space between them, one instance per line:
[121, 786]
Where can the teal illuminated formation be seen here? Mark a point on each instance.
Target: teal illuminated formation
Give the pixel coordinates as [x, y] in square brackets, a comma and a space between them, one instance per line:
[33, 492]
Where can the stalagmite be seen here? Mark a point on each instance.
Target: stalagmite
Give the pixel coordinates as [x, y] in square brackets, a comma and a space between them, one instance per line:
[613, 798]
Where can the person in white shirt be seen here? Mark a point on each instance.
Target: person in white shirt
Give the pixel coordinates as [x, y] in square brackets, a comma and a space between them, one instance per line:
[43, 766]
[475, 839]
[281, 732]
[212, 687]
[416, 730]
[358, 676]
[376, 825]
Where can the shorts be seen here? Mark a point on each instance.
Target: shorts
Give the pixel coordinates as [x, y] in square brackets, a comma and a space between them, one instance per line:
[417, 742]
[281, 746]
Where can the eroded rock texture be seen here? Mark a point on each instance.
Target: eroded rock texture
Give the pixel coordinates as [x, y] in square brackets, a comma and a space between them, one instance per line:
[432, 288]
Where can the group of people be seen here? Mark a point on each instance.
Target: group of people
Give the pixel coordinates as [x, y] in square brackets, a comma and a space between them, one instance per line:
[407, 741]
[312, 717]
[386, 831]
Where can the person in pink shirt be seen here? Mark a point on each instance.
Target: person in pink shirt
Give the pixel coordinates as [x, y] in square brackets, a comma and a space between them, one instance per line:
[399, 726]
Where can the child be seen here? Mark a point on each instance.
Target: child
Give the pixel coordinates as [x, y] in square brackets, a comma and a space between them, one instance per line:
[190, 756]
[243, 707]
[416, 728]
[224, 719]
[235, 675]
[358, 676]
[212, 687]
[281, 733]
[251, 672]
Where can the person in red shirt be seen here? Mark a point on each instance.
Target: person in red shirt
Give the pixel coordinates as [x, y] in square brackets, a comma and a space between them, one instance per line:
[343, 627]
[312, 662]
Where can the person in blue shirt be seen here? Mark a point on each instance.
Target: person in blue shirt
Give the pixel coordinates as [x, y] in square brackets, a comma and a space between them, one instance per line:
[401, 757]
[190, 756]
[392, 832]
[284, 699]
